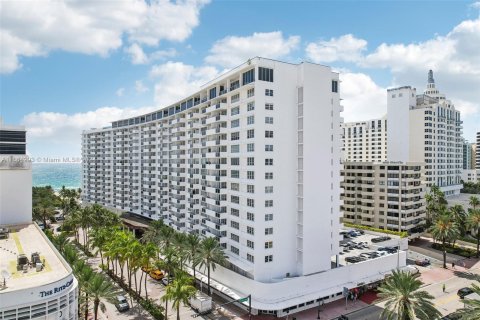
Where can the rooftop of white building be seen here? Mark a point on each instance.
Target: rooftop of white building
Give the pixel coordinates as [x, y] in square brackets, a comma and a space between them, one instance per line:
[28, 239]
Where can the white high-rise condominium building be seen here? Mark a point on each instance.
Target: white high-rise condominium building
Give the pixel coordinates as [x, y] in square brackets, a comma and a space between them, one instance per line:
[426, 128]
[477, 152]
[365, 141]
[253, 159]
[467, 155]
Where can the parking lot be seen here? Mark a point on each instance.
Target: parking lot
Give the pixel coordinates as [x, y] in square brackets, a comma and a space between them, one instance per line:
[358, 247]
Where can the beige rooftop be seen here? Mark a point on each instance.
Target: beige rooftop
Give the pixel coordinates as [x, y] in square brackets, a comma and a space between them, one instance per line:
[28, 239]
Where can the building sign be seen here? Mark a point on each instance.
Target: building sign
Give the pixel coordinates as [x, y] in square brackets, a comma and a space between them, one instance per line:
[58, 289]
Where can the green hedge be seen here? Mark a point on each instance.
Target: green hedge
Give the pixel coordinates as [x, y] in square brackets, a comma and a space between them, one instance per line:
[401, 234]
[459, 251]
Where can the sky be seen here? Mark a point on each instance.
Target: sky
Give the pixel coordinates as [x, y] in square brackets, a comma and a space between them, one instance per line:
[67, 66]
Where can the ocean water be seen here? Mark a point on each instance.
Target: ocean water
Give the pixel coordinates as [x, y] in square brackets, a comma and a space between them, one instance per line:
[57, 175]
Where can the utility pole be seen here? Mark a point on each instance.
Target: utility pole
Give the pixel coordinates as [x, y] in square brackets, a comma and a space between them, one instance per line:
[250, 307]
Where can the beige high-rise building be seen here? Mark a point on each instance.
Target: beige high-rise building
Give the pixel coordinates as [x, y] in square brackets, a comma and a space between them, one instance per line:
[385, 195]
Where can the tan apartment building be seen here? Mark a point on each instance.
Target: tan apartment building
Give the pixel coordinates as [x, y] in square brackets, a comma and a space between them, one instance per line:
[388, 195]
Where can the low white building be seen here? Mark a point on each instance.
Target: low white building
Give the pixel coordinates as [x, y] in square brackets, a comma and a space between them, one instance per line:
[35, 281]
[472, 175]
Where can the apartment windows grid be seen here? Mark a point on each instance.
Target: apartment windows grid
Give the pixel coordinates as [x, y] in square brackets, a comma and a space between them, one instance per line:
[250, 188]
[250, 120]
[269, 120]
[269, 147]
[235, 123]
[269, 92]
[265, 74]
[269, 258]
[250, 133]
[235, 136]
[235, 225]
[269, 217]
[250, 257]
[234, 237]
[250, 230]
[251, 203]
[251, 107]
[235, 186]
[268, 244]
[268, 189]
[248, 77]
[235, 174]
[235, 212]
[235, 199]
[268, 175]
[250, 244]
[250, 147]
[235, 111]
[250, 216]
[250, 161]
[268, 134]
[250, 175]
[268, 231]
[269, 162]
[269, 106]
[235, 161]
[234, 250]
[268, 203]
[250, 92]
[235, 148]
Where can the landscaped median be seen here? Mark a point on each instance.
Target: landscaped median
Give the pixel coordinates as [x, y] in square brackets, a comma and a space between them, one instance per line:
[401, 234]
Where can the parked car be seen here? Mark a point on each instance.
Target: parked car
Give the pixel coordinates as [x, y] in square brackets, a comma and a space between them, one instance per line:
[342, 317]
[380, 239]
[167, 280]
[156, 274]
[121, 304]
[461, 293]
[422, 262]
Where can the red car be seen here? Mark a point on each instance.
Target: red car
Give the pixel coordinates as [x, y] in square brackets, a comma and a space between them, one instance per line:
[423, 263]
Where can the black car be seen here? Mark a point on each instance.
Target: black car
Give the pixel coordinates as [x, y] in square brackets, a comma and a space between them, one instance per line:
[464, 292]
[380, 239]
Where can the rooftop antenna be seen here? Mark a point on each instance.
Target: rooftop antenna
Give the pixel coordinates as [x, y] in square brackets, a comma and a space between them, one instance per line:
[6, 275]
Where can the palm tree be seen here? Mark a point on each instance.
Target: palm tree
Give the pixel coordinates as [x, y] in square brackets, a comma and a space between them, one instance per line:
[444, 229]
[459, 216]
[472, 306]
[404, 302]
[43, 212]
[474, 202]
[211, 254]
[193, 243]
[61, 241]
[179, 291]
[473, 222]
[99, 288]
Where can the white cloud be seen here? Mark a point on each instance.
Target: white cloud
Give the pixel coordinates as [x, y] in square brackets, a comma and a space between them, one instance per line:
[140, 87]
[61, 132]
[120, 92]
[345, 48]
[33, 28]
[362, 98]
[475, 5]
[176, 80]
[138, 56]
[234, 50]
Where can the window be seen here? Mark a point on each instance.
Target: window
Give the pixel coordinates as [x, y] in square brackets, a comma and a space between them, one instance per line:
[250, 161]
[250, 188]
[250, 92]
[269, 120]
[268, 203]
[269, 189]
[235, 225]
[250, 147]
[250, 133]
[250, 120]
[235, 98]
[250, 257]
[234, 250]
[268, 175]
[268, 231]
[268, 106]
[269, 258]
[269, 217]
[235, 199]
[234, 237]
[234, 212]
[250, 175]
[265, 74]
[235, 186]
[250, 230]
[235, 161]
[250, 106]
[334, 86]
[268, 134]
[269, 162]
[269, 147]
[248, 77]
[235, 111]
[235, 148]
[269, 92]
[235, 136]
[250, 216]
[268, 244]
[213, 93]
[235, 123]
[251, 203]
[250, 244]
[235, 174]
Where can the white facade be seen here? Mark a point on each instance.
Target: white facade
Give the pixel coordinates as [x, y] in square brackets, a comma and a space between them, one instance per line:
[253, 159]
[15, 177]
[239, 160]
[365, 141]
[472, 175]
[426, 128]
[477, 152]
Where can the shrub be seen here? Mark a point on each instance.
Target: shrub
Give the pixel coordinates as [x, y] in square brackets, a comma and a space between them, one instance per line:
[401, 234]
[464, 252]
